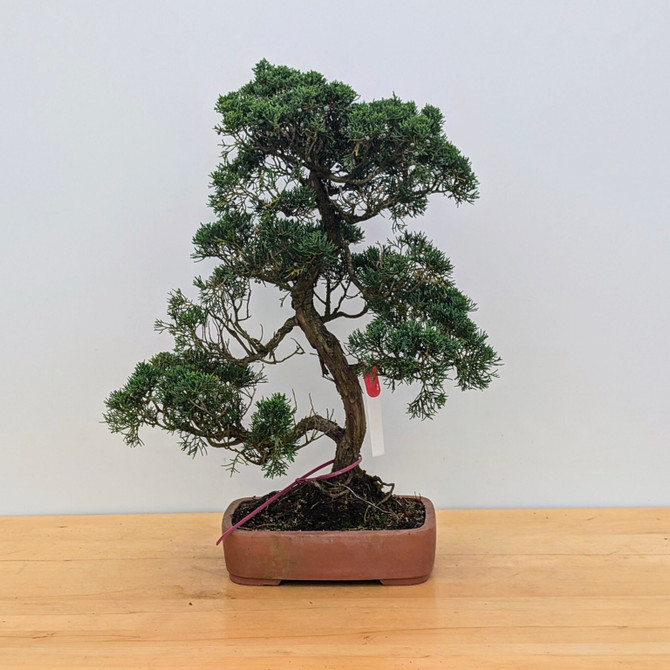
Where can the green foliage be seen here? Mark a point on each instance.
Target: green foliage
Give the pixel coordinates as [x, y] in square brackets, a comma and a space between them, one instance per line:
[275, 250]
[421, 331]
[272, 433]
[304, 165]
[200, 399]
[286, 126]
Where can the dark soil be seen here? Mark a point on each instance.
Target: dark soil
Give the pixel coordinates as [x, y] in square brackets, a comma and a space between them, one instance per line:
[346, 503]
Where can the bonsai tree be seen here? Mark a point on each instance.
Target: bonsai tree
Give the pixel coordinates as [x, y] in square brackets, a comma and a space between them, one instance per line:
[304, 166]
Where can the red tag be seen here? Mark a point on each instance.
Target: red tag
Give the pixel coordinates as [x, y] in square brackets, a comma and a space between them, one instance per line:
[372, 383]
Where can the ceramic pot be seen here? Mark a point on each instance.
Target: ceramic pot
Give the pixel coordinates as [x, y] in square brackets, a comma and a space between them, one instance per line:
[266, 557]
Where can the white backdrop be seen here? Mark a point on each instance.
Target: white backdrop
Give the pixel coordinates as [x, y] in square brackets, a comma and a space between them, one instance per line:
[106, 119]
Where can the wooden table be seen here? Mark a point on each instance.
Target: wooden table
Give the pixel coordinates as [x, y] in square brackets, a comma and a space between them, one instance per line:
[526, 589]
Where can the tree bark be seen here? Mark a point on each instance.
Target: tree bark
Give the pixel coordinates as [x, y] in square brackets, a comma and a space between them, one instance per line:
[328, 347]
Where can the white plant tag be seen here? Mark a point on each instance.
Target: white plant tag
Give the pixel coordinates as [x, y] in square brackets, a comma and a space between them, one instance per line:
[373, 403]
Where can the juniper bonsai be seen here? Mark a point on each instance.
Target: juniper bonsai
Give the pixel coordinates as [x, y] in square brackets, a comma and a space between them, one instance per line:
[304, 166]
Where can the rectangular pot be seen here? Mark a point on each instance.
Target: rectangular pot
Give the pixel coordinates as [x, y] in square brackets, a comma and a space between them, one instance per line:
[266, 557]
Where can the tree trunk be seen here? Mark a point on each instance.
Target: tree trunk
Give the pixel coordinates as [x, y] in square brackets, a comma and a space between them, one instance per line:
[346, 381]
[327, 345]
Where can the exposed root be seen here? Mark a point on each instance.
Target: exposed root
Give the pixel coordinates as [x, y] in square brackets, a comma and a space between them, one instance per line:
[358, 502]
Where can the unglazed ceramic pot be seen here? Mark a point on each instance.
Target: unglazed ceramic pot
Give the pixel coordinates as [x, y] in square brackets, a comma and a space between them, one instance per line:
[266, 557]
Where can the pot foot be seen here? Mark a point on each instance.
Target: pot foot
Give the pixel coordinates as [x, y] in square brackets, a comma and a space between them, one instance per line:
[404, 582]
[250, 581]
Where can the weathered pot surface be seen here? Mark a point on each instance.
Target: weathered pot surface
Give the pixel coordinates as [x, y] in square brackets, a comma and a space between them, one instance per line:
[266, 557]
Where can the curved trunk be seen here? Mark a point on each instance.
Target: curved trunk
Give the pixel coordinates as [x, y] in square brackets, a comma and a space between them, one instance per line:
[327, 345]
[329, 348]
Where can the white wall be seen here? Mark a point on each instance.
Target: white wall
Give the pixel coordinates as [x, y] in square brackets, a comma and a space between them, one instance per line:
[106, 145]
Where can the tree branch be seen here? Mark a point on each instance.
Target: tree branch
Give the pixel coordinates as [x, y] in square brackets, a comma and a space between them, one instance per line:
[317, 423]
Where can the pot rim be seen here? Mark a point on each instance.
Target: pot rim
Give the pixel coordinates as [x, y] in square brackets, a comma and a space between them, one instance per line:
[429, 522]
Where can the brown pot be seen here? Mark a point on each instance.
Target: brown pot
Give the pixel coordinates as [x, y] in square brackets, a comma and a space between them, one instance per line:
[266, 557]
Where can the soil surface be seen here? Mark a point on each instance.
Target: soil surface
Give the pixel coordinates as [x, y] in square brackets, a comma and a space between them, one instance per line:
[358, 502]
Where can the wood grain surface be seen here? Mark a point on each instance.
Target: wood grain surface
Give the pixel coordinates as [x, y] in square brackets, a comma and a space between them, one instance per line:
[528, 589]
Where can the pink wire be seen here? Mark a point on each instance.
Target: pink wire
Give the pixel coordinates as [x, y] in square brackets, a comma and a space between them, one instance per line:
[305, 478]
